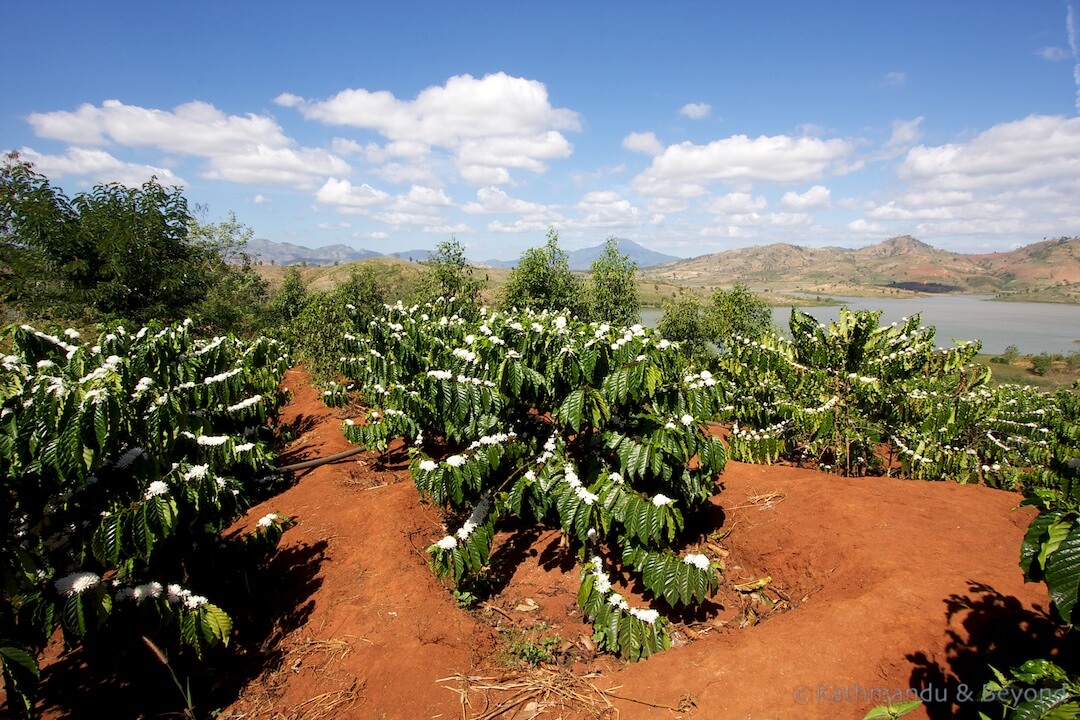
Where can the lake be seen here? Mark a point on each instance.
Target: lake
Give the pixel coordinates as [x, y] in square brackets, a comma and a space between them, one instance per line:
[1032, 327]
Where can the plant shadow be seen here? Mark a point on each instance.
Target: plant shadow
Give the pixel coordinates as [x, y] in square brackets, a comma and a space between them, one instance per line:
[994, 630]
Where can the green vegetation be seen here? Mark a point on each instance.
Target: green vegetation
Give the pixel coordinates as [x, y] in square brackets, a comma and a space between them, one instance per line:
[447, 274]
[120, 253]
[612, 290]
[586, 426]
[124, 460]
[542, 281]
[1046, 372]
[728, 314]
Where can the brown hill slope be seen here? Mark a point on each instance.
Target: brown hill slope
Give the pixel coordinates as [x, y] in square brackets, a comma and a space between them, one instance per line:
[1049, 270]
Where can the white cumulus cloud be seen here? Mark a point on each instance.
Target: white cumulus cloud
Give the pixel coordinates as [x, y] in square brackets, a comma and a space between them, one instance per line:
[99, 166]
[643, 143]
[490, 124]
[251, 148]
[736, 202]
[491, 200]
[695, 111]
[816, 198]
[347, 198]
[685, 169]
[1037, 148]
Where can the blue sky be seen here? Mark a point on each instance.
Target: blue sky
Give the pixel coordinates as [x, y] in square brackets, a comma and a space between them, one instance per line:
[691, 127]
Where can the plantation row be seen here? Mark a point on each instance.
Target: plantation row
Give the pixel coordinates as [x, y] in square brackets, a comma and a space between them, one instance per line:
[123, 462]
[605, 431]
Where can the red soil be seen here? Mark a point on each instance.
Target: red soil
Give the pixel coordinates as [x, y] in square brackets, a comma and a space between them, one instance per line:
[877, 585]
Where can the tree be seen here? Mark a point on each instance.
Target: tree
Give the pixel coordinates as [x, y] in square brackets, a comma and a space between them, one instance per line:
[124, 252]
[448, 274]
[315, 332]
[684, 321]
[542, 280]
[289, 299]
[612, 292]
[737, 312]
[237, 299]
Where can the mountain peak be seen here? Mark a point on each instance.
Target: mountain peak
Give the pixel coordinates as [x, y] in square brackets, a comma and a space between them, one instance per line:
[899, 245]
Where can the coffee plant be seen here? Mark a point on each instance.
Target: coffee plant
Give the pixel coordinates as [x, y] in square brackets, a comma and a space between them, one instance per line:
[599, 430]
[122, 463]
[844, 396]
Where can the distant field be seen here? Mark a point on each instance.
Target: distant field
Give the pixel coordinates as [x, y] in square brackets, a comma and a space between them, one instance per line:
[1020, 373]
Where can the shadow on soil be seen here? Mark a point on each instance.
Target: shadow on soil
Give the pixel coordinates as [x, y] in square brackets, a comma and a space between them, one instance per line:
[997, 630]
[98, 681]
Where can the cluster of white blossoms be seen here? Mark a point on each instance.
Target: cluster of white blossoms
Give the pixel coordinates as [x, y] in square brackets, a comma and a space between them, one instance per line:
[549, 451]
[580, 490]
[155, 489]
[825, 407]
[210, 346]
[660, 500]
[142, 386]
[456, 460]
[148, 591]
[76, 583]
[602, 584]
[637, 331]
[69, 349]
[244, 404]
[696, 381]
[176, 595]
[915, 457]
[464, 354]
[479, 514]
[758, 435]
[701, 562]
[269, 519]
[196, 472]
[440, 374]
[222, 377]
[212, 440]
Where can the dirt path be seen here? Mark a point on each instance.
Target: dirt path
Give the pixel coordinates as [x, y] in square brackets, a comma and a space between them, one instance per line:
[877, 585]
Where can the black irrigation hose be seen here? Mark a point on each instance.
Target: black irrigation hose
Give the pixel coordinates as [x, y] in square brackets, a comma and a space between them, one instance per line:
[322, 461]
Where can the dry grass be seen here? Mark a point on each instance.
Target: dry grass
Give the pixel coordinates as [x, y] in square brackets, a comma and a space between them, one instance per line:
[526, 695]
[263, 699]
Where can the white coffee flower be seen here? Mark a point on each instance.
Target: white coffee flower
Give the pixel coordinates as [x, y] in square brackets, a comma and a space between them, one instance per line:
[697, 560]
[76, 583]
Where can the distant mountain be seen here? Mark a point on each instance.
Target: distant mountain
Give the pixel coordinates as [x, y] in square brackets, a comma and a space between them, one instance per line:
[279, 253]
[643, 256]
[412, 255]
[583, 259]
[1046, 270]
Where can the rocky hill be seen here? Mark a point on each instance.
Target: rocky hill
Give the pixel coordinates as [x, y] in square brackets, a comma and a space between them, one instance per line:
[1048, 270]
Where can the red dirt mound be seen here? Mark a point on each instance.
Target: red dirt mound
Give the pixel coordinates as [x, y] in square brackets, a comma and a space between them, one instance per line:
[840, 594]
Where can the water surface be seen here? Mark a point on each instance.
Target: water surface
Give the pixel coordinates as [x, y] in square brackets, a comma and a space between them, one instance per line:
[1031, 327]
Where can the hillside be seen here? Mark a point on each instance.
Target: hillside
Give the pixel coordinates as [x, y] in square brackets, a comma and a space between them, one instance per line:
[279, 253]
[1048, 270]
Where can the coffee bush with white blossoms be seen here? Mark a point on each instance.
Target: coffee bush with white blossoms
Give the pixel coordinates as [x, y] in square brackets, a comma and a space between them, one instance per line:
[122, 461]
[589, 427]
[834, 396]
